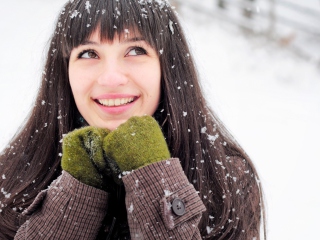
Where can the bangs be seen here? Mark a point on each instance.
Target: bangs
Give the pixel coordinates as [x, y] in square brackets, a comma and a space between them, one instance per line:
[141, 18]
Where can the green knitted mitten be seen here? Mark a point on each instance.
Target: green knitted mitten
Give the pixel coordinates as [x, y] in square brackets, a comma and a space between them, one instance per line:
[83, 156]
[136, 143]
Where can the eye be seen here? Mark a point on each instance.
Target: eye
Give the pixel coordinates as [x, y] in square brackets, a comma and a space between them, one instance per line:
[88, 54]
[136, 51]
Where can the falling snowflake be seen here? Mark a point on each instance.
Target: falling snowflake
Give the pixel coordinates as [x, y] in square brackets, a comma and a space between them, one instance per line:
[209, 229]
[171, 27]
[88, 6]
[130, 209]
[74, 14]
[203, 130]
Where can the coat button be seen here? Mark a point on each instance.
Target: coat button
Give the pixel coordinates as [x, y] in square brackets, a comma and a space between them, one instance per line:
[178, 207]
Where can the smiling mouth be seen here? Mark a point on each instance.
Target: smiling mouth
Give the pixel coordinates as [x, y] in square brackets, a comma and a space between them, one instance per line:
[115, 102]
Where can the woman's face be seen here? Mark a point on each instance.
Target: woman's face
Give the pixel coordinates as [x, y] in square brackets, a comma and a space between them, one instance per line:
[113, 81]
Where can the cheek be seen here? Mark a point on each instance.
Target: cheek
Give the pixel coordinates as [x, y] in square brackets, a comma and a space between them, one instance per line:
[72, 71]
[156, 83]
[72, 80]
[79, 76]
[150, 79]
[156, 89]
[153, 84]
[77, 84]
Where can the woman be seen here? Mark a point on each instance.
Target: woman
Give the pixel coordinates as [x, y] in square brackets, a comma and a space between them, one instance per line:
[110, 63]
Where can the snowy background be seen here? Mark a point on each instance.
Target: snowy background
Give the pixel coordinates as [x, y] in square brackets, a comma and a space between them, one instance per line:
[268, 97]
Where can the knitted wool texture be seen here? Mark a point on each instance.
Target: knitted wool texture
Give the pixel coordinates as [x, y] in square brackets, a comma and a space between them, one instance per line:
[95, 155]
[136, 143]
[83, 156]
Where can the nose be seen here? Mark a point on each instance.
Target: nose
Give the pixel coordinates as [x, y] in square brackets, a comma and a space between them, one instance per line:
[112, 74]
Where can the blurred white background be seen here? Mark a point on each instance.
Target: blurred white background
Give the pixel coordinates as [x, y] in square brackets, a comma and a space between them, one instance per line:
[267, 94]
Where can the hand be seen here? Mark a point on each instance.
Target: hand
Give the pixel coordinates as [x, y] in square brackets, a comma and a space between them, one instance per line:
[136, 143]
[83, 157]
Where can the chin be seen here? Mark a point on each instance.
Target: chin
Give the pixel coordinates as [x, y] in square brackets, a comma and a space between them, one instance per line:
[112, 125]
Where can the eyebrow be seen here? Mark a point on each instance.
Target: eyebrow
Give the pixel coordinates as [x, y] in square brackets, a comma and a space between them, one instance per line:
[126, 40]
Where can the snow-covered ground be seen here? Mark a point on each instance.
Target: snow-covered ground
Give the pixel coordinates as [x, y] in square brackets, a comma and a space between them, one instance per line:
[268, 98]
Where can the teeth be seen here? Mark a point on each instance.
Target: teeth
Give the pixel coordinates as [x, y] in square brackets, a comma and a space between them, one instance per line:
[115, 102]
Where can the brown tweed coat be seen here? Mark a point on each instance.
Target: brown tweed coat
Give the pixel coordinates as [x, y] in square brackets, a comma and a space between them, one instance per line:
[69, 209]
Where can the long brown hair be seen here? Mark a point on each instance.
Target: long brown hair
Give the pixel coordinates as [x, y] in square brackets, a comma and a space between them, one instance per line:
[212, 160]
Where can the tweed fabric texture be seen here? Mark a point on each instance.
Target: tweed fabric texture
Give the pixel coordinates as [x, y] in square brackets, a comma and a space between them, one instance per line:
[68, 209]
[146, 189]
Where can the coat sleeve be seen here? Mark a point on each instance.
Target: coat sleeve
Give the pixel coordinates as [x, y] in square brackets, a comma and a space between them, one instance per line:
[161, 203]
[68, 209]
